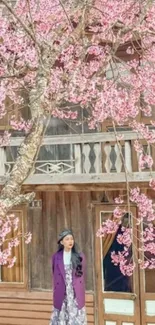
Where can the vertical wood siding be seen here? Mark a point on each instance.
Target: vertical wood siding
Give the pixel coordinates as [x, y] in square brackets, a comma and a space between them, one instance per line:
[33, 308]
[59, 210]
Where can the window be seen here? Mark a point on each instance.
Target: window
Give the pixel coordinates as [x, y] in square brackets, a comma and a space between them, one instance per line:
[149, 273]
[113, 279]
[79, 125]
[17, 110]
[16, 275]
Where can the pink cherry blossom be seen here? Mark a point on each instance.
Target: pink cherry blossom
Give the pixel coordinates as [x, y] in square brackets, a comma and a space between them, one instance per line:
[138, 146]
[10, 224]
[145, 161]
[118, 212]
[14, 242]
[126, 268]
[12, 262]
[108, 227]
[5, 139]
[28, 238]
[119, 200]
[152, 183]
[125, 238]
[20, 124]
[144, 264]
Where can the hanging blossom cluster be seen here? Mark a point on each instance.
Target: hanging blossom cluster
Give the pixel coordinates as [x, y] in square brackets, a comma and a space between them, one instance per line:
[5, 139]
[10, 236]
[145, 160]
[146, 208]
[123, 234]
[146, 217]
[82, 48]
[126, 257]
[21, 125]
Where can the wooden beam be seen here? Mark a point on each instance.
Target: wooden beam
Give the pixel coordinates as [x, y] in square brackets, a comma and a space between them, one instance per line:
[79, 138]
[34, 295]
[105, 178]
[89, 178]
[2, 161]
[82, 187]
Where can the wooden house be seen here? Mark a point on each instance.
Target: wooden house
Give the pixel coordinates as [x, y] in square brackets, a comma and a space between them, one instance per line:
[77, 175]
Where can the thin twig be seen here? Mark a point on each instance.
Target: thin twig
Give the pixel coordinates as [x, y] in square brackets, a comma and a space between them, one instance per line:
[28, 30]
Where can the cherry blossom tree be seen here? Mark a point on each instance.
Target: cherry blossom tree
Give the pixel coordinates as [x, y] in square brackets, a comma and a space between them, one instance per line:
[67, 53]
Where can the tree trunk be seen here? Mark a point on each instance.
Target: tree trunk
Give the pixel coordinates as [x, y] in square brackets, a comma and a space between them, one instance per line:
[27, 154]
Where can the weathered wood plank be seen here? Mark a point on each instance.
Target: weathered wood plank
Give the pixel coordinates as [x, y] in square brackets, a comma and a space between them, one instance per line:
[86, 160]
[20, 321]
[36, 249]
[2, 161]
[77, 153]
[128, 159]
[89, 178]
[106, 178]
[98, 160]
[49, 226]
[80, 138]
[33, 307]
[24, 314]
[76, 217]
[118, 162]
[86, 235]
[35, 295]
[59, 210]
[83, 187]
[24, 310]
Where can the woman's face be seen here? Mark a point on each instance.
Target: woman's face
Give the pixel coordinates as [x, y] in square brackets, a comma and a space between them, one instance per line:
[68, 242]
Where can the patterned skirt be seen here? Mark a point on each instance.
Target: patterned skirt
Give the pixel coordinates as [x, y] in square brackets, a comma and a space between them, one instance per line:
[69, 313]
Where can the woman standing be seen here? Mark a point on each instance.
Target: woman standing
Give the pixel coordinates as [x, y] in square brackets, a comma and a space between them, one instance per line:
[68, 268]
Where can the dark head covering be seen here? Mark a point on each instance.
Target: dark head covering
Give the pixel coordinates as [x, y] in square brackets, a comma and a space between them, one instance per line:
[75, 258]
[63, 234]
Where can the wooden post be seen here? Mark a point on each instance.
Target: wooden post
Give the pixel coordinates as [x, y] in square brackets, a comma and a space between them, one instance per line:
[87, 163]
[128, 160]
[77, 153]
[118, 162]
[108, 163]
[98, 160]
[2, 161]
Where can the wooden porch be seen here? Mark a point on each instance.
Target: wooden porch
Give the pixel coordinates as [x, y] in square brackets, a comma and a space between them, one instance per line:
[28, 300]
[33, 308]
[81, 159]
[72, 174]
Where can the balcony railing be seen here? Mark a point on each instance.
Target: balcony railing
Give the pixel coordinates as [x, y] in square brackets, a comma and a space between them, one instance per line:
[85, 158]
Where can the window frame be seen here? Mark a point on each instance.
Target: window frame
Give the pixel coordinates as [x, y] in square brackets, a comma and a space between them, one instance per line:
[24, 284]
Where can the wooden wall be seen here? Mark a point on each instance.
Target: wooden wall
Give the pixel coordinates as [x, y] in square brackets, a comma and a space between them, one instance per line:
[59, 210]
[33, 308]
[33, 305]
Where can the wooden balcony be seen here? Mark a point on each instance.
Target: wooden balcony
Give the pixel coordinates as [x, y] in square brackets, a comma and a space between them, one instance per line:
[78, 159]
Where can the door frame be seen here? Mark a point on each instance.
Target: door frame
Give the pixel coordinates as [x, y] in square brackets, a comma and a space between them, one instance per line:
[98, 275]
[146, 296]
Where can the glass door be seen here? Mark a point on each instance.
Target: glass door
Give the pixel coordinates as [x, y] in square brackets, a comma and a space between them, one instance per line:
[147, 286]
[117, 295]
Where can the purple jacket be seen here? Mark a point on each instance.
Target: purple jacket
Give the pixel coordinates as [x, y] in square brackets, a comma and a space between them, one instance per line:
[59, 288]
